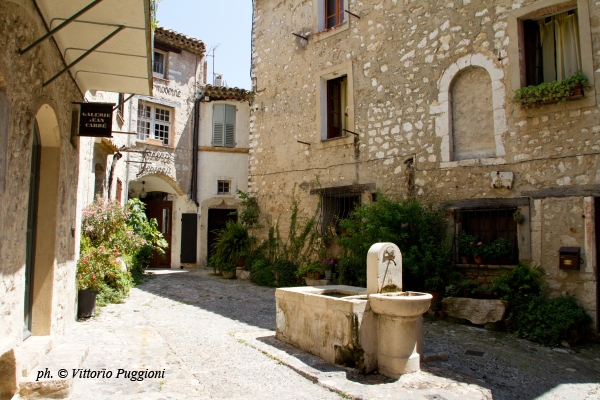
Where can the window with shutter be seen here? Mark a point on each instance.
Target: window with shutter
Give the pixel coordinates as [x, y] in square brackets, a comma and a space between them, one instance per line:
[224, 125]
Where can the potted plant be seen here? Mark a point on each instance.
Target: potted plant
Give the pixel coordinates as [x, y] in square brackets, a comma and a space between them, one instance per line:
[90, 278]
[327, 265]
[228, 269]
[466, 244]
[310, 271]
[557, 92]
[478, 251]
[497, 250]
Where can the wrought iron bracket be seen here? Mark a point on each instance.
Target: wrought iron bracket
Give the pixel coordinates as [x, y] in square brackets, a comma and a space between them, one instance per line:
[84, 55]
[59, 27]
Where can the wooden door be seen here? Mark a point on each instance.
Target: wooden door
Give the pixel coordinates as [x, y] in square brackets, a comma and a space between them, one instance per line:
[163, 212]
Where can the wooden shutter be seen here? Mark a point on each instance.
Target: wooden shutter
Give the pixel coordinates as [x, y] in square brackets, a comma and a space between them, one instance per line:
[533, 53]
[189, 237]
[230, 126]
[218, 124]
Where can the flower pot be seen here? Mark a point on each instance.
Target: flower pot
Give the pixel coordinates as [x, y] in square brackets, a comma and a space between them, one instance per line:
[229, 274]
[328, 274]
[86, 303]
[478, 259]
[314, 275]
[464, 259]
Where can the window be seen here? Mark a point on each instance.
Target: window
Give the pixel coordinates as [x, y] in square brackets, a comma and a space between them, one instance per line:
[223, 187]
[551, 47]
[337, 112]
[488, 225]
[334, 13]
[223, 125]
[335, 208]
[159, 64]
[154, 122]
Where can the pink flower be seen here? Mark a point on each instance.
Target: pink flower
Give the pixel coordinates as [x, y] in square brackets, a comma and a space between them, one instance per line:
[93, 276]
[471, 242]
[479, 244]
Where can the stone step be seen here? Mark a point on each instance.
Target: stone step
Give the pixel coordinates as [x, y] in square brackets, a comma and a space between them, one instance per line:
[32, 351]
[45, 380]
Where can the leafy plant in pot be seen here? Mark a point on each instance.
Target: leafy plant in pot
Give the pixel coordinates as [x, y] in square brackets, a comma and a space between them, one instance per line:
[311, 271]
[90, 278]
[231, 247]
[228, 270]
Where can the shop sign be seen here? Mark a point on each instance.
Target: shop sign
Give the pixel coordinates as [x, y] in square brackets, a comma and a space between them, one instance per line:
[95, 119]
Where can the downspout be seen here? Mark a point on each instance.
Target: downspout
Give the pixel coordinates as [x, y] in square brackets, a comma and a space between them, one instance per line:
[195, 141]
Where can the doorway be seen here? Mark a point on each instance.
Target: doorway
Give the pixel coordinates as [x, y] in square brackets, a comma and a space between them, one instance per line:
[597, 232]
[34, 183]
[217, 219]
[158, 207]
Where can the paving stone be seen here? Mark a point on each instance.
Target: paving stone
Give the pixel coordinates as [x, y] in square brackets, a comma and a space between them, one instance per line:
[213, 338]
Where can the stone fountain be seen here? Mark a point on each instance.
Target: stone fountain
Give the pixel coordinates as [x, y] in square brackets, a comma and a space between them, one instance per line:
[377, 328]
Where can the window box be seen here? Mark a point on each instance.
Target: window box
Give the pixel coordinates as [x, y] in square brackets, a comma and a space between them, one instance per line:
[556, 92]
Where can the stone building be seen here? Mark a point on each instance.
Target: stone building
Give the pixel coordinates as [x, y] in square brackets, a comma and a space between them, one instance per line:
[413, 98]
[167, 153]
[40, 189]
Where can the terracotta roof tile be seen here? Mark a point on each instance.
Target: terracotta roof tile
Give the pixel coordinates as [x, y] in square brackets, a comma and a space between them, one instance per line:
[179, 40]
[226, 93]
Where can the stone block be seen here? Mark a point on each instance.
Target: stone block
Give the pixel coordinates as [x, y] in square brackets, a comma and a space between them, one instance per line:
[477, 311]
[8, 374]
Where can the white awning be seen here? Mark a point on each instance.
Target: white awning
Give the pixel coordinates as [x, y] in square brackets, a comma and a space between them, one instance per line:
[123, 63]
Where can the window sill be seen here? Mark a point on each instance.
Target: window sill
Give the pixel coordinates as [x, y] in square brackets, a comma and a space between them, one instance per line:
[324, 34]
[335, 142]
[153, 142]
[587, 100]
[473, 162]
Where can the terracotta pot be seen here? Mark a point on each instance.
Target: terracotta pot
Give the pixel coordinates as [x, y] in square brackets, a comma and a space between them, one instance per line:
[314, 275]
[478, 259]
[464, 259]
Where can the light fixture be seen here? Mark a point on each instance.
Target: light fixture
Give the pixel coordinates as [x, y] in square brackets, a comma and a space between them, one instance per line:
[143, 193]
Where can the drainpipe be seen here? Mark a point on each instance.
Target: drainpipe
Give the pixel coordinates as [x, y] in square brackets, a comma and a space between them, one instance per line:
[195, 141]
[115, 159]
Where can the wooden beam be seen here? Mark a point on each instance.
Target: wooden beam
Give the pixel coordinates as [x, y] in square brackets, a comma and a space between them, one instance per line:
[348, 189]
[223, 149]
[565, 191]
[486, 203]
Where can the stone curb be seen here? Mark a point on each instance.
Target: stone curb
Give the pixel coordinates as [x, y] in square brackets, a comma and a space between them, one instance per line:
[337, 378]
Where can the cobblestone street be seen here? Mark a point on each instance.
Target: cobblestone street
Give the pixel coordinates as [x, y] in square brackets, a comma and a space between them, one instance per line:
[214, 339]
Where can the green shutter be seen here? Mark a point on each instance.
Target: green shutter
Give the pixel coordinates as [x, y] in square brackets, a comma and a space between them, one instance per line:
[229, 126]
[218, 124]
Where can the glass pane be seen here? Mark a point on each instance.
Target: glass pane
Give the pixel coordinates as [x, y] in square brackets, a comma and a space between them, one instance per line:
[165, 221]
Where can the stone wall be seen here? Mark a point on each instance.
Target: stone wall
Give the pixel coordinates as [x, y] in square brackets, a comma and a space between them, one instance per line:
[402, 59]
[23, 76]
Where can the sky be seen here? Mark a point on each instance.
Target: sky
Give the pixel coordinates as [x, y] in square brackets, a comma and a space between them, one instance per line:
[224, 24]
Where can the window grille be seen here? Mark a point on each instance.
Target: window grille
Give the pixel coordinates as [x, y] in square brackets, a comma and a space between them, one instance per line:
[488, 225]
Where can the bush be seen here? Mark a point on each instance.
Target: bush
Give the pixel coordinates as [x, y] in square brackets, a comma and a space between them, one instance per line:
[262, 272]
[550, 322]
[534, 317]
[285, 273]
[417, 229]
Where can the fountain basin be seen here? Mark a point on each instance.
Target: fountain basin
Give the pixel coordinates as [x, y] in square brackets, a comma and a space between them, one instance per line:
[333, 322]
[400, 304]
[399, 330]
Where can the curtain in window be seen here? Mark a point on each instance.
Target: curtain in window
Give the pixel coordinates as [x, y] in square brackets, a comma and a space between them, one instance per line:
[568, 60]
[559, 36]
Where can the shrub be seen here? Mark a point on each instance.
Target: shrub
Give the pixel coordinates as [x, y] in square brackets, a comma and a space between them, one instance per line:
[417, 229]
[518, 286]
[285, 272]
[550, 322]
[262, 272]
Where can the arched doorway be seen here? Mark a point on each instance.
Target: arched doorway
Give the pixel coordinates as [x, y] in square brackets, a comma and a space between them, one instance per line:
[159, 205]
[41, 224]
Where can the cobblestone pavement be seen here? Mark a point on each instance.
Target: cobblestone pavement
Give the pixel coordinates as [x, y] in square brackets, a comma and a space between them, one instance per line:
[206, 332]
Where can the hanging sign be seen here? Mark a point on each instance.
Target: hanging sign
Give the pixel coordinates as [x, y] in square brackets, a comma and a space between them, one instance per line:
[95, 119]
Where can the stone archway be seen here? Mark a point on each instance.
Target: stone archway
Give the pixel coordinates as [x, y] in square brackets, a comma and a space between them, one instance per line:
[45, 221]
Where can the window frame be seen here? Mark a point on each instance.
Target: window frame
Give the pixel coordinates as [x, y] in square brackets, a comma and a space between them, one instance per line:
[165, 64]
[223, 183]
[320, 24]
[340, 71]
[153, 121]
[337, 14]
[229, 125]
[515, 46]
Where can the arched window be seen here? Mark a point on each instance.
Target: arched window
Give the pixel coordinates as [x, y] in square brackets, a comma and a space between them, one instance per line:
[472, 115]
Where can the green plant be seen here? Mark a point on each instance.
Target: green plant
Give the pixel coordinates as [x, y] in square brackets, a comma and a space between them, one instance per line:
[552, 321]
[262, 272]
[466, 244]
[559, 91]
[227, 267]
[232, 244]
[498, 248]
[417, 229]
[519, 285]
[311, 267]
[250, 212]
[285, 272]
